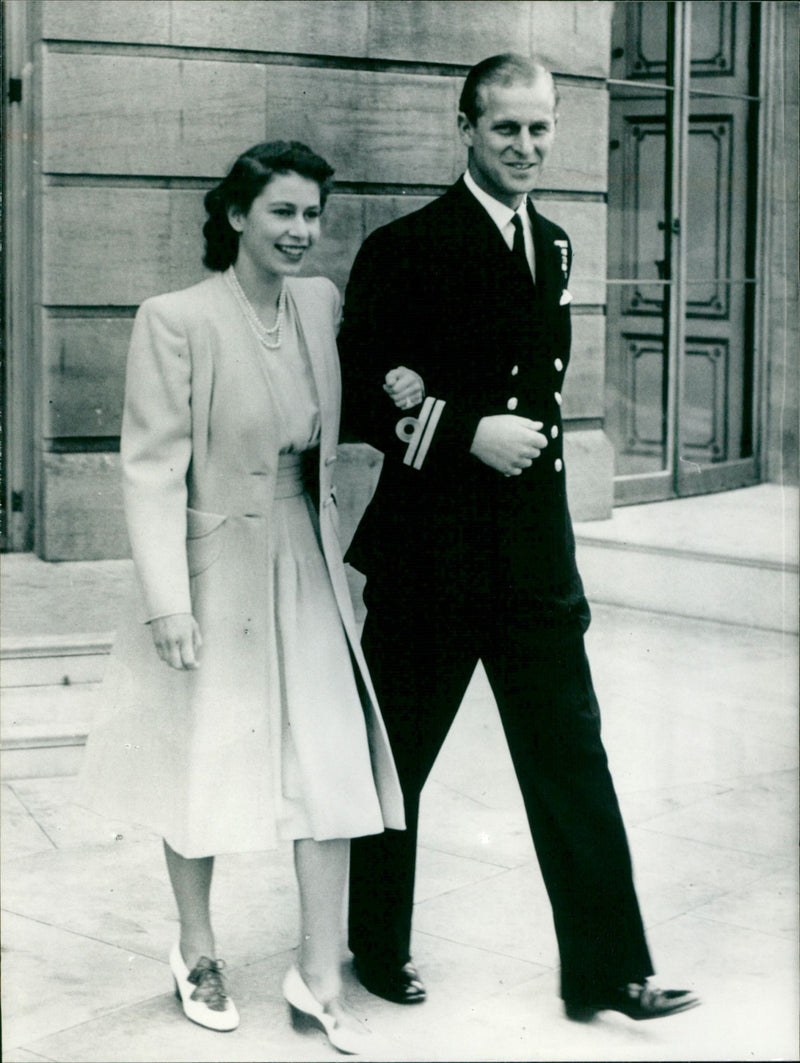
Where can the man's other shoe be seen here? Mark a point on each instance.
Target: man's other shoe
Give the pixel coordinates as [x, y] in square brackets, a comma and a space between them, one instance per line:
[401, 985]
[636, 1001]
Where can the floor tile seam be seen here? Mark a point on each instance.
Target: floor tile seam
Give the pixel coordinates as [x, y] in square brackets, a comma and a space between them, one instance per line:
[719, 892]
[778, 935]
[615, 686]
[729, 785]
[680, 619]
[88, 850]
[101, 1016]
[451, 891]
[696, 910]
[543, 968]
[763, 774]
[30, 814]
[782, 564]
[709, 923]
[659, 708]
[24, 1048]
[723, 729]
[690, 908]
[269, 958]
[760, 878]
[475, 859]
[631, 795]
[688, 913]
[708, 844]
[651, 824]
[85, 937]
[482, 805]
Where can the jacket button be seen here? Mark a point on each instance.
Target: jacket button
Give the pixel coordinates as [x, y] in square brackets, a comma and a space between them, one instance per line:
[557, 397]
[558, 364]
[559, 464]
[554, 432]
[330, 460]
[515, 370]
[512, 403]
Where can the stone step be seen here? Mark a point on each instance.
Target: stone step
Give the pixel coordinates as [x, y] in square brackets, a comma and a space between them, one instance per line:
[699, 585]
[48, 660]
[43, 728]
[731, 557]
[49, 686]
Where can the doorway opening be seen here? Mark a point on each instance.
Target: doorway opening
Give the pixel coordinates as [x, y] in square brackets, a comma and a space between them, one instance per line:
[682, 248]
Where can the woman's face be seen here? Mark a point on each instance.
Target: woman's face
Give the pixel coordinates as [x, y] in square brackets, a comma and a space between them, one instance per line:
[282, 224]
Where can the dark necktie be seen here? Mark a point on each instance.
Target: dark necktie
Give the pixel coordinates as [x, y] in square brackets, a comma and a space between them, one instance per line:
[518, 245]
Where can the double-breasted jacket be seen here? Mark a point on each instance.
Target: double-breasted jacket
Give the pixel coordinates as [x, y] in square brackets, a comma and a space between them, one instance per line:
[438, 291]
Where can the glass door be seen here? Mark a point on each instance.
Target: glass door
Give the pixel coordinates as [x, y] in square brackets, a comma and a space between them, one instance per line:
[681, 247]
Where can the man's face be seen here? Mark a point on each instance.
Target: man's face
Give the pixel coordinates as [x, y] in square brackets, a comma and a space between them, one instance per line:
[511, 139]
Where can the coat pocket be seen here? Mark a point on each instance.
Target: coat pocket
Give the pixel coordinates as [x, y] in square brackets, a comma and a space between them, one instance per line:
[203, 541]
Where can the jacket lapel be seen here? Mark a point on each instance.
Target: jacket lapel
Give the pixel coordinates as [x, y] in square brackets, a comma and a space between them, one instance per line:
[550, 277]
[311, 326]
[246, 339]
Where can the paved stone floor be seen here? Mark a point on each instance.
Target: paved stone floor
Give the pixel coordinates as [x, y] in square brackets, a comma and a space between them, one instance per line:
[700, 725]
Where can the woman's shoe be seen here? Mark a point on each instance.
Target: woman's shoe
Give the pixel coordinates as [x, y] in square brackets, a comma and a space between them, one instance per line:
[307, 1011]
[201, 991]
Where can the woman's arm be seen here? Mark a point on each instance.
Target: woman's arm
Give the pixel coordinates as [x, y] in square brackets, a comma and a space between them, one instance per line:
[155, 451]
[372, 340]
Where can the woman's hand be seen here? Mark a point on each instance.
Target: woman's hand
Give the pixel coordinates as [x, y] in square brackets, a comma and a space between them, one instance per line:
[177, 639]
[404, 387]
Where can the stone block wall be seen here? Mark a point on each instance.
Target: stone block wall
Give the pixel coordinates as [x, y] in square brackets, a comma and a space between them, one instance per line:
[142, 106]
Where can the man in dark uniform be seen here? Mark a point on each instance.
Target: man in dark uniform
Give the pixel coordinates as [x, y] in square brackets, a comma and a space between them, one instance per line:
[468, 548]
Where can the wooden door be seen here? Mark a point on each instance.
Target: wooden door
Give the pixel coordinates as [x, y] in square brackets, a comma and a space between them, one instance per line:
[682, 155]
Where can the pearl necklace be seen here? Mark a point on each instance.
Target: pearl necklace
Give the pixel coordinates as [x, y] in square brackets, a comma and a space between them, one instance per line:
[263, 334]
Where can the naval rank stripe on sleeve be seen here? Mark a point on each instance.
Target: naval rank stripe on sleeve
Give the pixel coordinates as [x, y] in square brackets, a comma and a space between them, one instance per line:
[426, 427]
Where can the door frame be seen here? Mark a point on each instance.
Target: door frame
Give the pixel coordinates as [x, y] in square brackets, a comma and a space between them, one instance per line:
[676, 481]
[19, 370]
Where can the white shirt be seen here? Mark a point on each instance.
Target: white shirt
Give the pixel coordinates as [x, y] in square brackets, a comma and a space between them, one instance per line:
[502, 216]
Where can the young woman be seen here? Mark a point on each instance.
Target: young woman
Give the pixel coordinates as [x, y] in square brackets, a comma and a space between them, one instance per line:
[241, 711]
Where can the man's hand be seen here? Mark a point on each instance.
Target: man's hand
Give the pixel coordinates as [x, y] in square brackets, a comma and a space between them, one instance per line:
[508, 443]
[404, 387]
[177, 640]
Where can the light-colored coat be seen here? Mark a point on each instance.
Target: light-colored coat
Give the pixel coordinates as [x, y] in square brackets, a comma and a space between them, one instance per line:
[200, 445]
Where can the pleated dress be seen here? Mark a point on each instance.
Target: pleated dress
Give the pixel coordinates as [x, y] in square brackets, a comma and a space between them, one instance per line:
[311, 646]
[305, 765]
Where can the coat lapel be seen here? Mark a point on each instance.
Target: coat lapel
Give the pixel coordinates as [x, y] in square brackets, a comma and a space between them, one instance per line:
[552, 267]
[247, 340]
[313, 325]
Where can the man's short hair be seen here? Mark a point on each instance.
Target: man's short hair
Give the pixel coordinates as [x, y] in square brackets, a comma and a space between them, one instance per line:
[506, 69]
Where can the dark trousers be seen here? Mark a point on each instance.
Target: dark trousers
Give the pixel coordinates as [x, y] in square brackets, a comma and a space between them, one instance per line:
[421, 658]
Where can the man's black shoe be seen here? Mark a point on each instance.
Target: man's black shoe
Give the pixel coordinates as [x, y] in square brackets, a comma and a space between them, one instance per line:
[636, 1001]
[401, 985]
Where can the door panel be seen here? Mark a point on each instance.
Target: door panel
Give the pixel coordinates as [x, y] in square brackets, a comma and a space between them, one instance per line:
[717, 359]
[675, 435]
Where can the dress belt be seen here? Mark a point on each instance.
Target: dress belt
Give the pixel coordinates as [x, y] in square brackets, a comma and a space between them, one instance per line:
[290, 481]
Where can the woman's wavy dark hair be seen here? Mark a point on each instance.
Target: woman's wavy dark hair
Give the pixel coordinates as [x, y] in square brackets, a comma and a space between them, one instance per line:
[248, 176]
